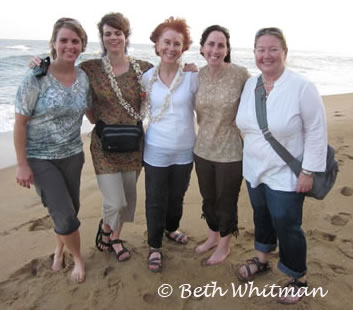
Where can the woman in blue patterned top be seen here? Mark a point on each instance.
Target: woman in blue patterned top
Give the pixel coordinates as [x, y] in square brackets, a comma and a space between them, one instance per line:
[47, 138]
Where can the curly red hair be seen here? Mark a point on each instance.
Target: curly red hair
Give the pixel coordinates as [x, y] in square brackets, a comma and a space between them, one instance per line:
[177, 24]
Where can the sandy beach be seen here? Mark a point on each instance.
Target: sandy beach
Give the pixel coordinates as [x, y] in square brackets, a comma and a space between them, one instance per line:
[27, 243]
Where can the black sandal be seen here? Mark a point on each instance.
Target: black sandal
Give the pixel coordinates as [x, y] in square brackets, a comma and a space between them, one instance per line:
[261, 268]
[100, 244]
[121, 252]
[155, 261]
[293, 291]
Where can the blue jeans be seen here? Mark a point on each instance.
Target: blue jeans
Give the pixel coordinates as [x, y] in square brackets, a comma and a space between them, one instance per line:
[278, 216]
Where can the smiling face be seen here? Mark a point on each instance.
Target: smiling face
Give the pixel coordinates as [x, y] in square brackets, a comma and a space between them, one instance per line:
[270, 55]
[215, 48]
[68, 45]
[170, 46]
[113, 39]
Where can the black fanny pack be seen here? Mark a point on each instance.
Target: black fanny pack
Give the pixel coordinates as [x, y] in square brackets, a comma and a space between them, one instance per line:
[119, 138]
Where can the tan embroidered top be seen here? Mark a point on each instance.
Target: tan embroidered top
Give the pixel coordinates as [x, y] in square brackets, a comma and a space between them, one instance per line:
[217, 102]
[107, 108]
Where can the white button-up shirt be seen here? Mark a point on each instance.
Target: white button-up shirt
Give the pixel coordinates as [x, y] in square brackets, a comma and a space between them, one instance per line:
[296, 118]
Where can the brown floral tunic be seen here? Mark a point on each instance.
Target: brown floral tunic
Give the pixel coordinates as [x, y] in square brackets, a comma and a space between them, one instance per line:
[106, 107]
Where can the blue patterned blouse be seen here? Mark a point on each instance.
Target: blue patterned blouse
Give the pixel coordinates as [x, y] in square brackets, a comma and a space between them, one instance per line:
[55, 111]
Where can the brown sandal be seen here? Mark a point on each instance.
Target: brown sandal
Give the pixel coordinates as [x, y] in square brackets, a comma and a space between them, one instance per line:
[261, 268]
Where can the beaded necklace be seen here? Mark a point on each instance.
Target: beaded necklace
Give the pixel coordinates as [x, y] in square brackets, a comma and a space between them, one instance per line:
[177, 81]
[109, 71]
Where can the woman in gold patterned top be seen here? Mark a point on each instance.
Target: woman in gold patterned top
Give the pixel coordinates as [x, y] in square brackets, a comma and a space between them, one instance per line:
[218, 148]
[117, 173]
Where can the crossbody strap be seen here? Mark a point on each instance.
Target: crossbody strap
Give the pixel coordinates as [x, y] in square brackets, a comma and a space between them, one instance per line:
[261, 115]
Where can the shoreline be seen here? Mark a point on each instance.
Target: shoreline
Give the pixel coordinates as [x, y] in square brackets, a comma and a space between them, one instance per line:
[8, 158]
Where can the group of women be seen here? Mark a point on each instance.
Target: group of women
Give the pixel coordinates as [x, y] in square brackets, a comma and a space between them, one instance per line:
[117, 88]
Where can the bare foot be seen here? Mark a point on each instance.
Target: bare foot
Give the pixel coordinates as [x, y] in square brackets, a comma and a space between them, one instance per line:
[58, 262]
[218, 257]
[78, 274]
[206, 246]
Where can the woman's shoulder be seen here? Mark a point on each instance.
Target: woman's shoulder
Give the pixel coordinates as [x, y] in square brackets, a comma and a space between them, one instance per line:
[239, 70]
[82, 76]
[91, 63]
[144, 65]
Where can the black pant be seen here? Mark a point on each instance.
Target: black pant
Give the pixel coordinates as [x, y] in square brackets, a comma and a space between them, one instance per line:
[219, 185]
[165, 190]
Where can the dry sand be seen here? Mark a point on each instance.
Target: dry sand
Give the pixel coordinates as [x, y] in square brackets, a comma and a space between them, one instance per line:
[27, 242]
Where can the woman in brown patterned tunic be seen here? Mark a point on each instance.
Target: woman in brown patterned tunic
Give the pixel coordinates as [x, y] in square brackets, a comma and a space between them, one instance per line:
[117, 173]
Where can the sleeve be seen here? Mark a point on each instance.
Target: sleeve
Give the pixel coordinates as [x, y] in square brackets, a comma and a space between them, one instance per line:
[195, 82]
[27, 95]
[146, 77]
[314, 129]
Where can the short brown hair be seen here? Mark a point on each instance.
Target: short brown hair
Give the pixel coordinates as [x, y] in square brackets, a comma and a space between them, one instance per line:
[177, 24]
[117, 21]
[71, 24]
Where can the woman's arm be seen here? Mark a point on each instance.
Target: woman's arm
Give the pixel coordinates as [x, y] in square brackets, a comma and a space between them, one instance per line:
[24, 175]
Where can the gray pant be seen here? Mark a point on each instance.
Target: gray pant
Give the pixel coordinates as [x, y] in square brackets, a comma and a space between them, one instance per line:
[58, 182]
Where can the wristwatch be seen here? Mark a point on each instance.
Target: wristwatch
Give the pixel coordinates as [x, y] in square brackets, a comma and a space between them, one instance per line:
[307, 172]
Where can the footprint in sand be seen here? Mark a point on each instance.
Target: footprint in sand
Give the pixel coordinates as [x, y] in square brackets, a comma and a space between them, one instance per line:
[337, 269]
[348, 156]
[107, 270]
[317, 234]
[43, 223]
[346, 247]
[340, 219]
[347, 191]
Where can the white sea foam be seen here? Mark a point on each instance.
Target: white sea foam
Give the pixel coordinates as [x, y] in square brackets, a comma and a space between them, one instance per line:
[19, 47]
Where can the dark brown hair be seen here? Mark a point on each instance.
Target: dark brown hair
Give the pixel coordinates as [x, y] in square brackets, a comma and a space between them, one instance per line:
[117, 21]
[219, 28]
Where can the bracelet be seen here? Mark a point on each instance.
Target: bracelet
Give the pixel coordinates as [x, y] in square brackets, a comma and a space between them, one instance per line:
[307, 172]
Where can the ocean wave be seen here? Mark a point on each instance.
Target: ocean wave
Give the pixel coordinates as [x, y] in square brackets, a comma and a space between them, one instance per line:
[19, 47]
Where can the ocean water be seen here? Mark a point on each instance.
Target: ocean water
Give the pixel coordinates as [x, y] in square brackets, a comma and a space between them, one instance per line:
[332, 73]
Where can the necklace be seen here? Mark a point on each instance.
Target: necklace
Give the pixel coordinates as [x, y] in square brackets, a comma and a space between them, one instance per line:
[109, 71]
[167, 99]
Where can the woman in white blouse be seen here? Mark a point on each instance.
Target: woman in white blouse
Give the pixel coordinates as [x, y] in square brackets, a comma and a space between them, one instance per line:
[170, 136]
[296, 118]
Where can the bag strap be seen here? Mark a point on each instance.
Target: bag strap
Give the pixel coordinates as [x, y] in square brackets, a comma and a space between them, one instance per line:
[261, 115]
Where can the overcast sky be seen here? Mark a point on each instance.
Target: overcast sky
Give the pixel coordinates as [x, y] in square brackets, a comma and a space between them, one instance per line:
[307, 24]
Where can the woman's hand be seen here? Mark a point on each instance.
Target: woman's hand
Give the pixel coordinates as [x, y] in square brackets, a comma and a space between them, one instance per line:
[190, 68]
[24, 176]
[305, 183]
[35, 61]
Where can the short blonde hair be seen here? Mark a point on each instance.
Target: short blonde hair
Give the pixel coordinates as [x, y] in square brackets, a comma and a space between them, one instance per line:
[71, 24]
[273, 31]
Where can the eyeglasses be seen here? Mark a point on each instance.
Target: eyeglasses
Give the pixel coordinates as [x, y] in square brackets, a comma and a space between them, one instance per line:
[271, 30]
